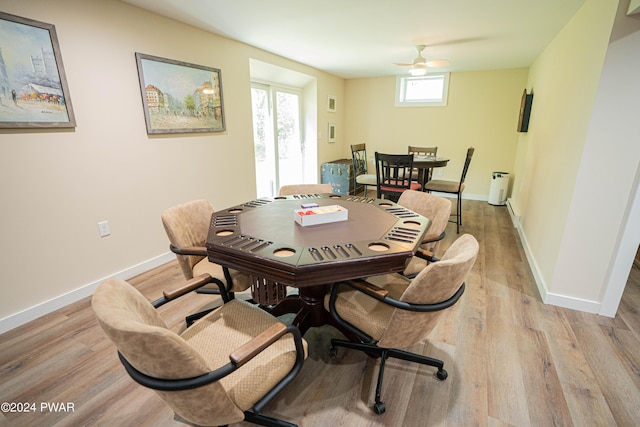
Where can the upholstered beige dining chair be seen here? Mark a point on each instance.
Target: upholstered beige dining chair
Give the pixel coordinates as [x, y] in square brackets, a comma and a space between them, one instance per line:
[187, 226]
[223, 369]
[390, 313]
[290, 190]
[438, 210]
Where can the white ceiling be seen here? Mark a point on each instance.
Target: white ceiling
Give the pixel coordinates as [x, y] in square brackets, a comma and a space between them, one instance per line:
[363, 38]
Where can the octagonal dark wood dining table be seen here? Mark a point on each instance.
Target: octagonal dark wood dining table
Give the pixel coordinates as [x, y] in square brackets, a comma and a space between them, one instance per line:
[261, 238]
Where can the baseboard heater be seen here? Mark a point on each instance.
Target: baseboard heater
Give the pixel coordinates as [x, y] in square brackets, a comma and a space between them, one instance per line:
[515, 217]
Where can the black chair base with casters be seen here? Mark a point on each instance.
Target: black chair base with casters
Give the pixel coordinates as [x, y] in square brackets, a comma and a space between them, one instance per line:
[370, 345]
[383, 354]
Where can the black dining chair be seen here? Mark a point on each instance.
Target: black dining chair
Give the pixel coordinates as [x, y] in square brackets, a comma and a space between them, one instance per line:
[453, 187]
[360, 175]
[393, 175]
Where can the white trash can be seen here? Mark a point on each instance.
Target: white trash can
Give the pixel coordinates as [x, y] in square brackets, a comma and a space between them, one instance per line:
[499, 188]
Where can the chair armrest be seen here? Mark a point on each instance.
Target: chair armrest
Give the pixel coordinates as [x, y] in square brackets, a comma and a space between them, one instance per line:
[249, 350]
[368, 288]
[189, 286]
[430, 238]
[425, 254]
[189, 250]
[383, 296]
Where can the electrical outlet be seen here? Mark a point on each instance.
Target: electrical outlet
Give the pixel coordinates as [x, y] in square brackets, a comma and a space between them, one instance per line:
[104, 229]
[438, 172]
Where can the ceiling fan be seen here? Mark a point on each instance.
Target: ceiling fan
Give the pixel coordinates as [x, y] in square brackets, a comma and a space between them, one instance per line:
[420, 64]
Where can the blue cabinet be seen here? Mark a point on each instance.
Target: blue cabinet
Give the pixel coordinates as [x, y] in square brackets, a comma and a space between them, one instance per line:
[338, 173]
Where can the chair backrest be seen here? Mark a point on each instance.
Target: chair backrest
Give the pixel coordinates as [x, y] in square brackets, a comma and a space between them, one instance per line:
[437, 282]
[359, 157]
[290, 190]
[142, 337]
[186, 225]
[467, 162]
[436, 208]
[423, 151]
[393, 173]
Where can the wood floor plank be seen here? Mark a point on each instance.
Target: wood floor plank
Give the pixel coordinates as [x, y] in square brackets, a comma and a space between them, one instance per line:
[507, 395]
[469, 400]
[543, 390]
[619, 391]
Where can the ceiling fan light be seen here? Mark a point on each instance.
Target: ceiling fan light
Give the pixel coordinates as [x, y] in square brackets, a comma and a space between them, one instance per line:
[418, 70]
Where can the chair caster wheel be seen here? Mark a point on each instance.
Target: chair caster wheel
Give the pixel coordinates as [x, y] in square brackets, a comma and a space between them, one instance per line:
[442, 374]
[379, 408]
[333, 352]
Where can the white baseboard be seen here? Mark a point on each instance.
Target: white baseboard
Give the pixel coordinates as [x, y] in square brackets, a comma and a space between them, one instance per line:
[551, 298]
[32, 313]
[573, 303]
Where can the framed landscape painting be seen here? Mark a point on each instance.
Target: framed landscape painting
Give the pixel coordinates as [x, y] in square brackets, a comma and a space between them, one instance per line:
[33, 85]
[179, 97]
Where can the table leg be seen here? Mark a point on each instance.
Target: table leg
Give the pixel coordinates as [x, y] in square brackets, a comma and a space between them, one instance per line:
[426, 177]
[290, 304]
[308, 306]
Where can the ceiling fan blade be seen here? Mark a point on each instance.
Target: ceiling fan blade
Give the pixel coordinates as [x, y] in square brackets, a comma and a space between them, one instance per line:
[402, 64]
[436, 63]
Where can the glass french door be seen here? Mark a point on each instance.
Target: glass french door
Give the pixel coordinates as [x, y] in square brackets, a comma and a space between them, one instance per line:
[277, 138]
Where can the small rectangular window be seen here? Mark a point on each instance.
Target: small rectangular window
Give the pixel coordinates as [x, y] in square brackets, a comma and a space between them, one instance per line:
[430, 90]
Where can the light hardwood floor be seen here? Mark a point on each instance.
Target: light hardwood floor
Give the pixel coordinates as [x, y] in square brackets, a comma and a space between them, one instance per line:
[511, 359]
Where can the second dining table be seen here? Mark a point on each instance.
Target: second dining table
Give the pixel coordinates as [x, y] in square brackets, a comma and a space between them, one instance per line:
[424, 163]
[262, 239]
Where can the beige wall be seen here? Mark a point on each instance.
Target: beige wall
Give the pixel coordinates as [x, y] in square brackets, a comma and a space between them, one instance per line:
[56, 185]
[482, 112]
[564, 80]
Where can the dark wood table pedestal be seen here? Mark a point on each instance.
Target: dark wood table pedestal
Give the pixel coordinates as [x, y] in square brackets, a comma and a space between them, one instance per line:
[308, 305]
